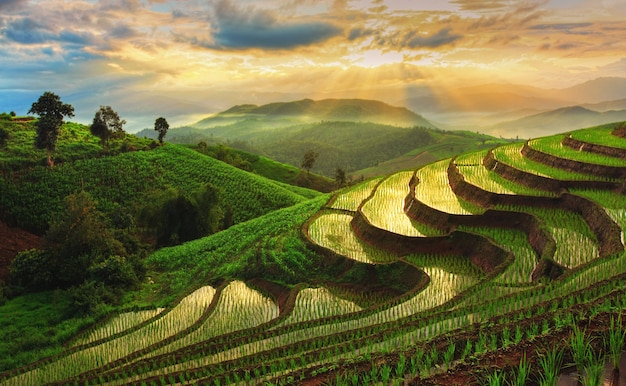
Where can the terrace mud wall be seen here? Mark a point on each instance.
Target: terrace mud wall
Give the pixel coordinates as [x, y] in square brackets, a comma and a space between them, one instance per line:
[480, 251]
[540, 182]
[606, 230]
[572, 165]
[577, 144]
[540, 240]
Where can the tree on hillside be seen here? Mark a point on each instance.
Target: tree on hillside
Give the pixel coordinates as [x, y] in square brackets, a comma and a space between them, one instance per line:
[51, 112]
[80, 246]
[340, 177]
[161, 126]
[176, 217]
[308, 160]
[107, 125]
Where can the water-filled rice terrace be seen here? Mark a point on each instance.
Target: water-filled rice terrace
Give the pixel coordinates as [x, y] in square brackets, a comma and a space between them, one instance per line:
[516, 252]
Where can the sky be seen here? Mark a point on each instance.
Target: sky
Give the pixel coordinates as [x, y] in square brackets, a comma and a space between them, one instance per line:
[185, 59]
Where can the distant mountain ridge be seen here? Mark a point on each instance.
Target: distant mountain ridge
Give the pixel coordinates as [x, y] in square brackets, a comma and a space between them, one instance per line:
[307, 110]
[563, 119]
[351, 134]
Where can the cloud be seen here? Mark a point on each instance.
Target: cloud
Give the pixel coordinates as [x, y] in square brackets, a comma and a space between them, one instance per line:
[27, 31]
[441, 38]
[238, 28]
[569, 28]
[7, 4]
[480, 5]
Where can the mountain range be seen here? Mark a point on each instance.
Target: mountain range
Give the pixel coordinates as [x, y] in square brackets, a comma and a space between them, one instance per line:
[352, 134]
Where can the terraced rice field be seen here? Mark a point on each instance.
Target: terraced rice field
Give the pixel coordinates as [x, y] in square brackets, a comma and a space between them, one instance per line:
[505, 279]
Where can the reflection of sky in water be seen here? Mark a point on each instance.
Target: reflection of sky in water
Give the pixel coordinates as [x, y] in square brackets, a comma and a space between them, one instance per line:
[333, 231]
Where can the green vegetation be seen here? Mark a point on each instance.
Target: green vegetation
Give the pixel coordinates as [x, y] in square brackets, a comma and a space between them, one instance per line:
[552, 145]
[354, 135]
[124, 181]
[341, 290]
[51, 112]
[268, 168]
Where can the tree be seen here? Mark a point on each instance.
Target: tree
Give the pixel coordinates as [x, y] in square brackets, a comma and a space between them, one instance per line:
[161, 126]
[107, 125]
[340, 177]
[308, 160]
[51, 112]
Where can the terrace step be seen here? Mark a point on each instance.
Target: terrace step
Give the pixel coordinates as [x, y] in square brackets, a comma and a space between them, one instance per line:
[579, 145]
[539, 176]
[606, 230]
[551, 152]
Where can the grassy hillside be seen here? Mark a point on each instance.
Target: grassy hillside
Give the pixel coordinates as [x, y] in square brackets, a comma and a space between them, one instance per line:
[268, 168]
[470, 270]
[446, 144]
[351, 146]
[31, 194]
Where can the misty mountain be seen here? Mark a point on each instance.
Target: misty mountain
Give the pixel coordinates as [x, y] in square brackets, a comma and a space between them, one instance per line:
[506, 98]
[279, 114]
[619, 104]
[352, 134]
[559, 120]
[595, 91]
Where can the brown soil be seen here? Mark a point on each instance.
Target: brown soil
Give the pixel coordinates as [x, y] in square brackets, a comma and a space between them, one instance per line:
[12, 241]
[593, 147]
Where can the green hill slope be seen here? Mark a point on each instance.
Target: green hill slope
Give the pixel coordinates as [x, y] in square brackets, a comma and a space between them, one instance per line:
[126, 180]
[449, 273]
[350, 134]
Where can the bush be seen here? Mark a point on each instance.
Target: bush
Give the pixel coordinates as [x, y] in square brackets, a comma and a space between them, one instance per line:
[91, 296]
[34, 269]
[115, 271]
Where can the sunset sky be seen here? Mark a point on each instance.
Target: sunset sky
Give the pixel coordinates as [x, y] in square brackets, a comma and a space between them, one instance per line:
[184, 59]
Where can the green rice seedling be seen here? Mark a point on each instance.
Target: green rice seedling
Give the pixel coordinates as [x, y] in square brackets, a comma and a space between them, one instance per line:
[550, 363]
[496, 378]
[594, 369]
[385, 208]
[317, 303]
[385, 373]
[522, 373]
[185, 314]
[481, 345]
[512, 156]
[434, 190]
[401, 365]
[601, 135]
[506, 337]
[118, 324]
[552, 145]
[616, 338]
[351, 198]
[581, 349]
[427, 365]
[519, 335]
[434, 355]
[470, 165]
[374, 372]
[416, 361]
[333, 231]
[467, 350]
[448, 356]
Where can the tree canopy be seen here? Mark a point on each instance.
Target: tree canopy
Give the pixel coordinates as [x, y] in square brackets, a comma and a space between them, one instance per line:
[161, 126]
[51, 112]
[107, 125]
[308, 160]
